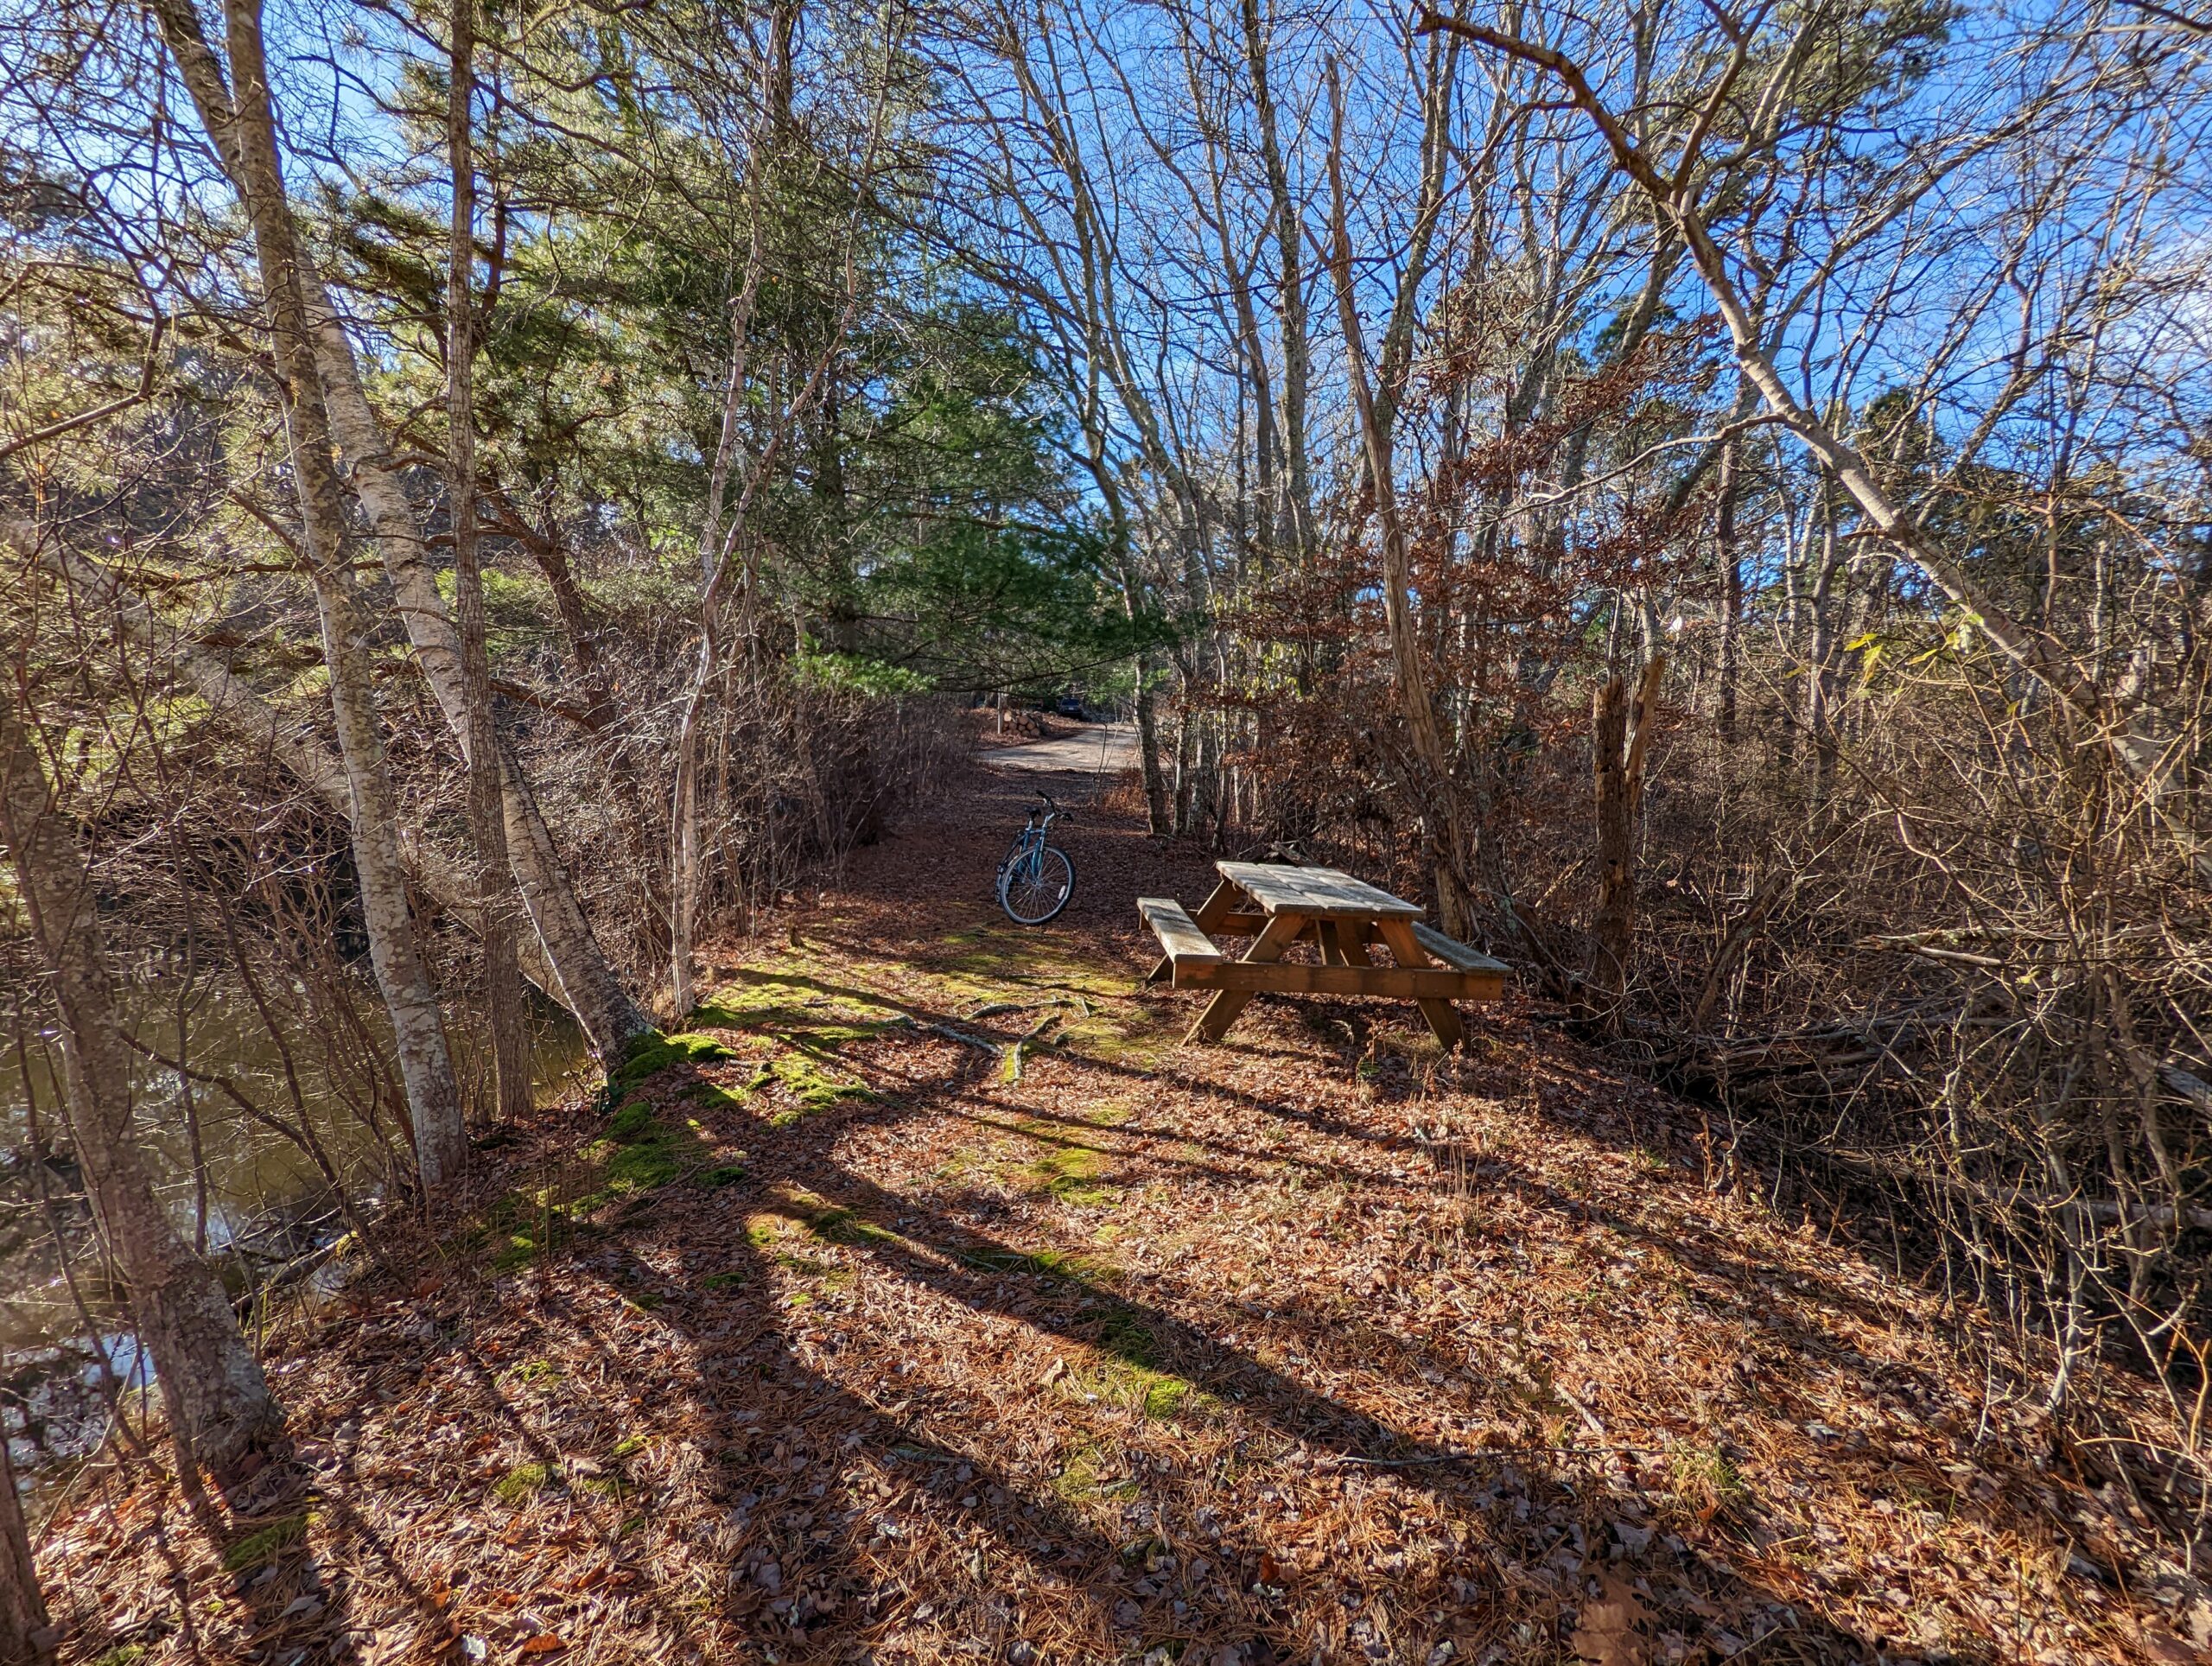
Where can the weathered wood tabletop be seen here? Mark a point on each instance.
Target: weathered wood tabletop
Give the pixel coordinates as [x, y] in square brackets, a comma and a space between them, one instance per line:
[1277, 904]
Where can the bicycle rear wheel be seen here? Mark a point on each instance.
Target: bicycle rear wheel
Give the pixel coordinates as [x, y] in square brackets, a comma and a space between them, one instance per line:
[1034, 888]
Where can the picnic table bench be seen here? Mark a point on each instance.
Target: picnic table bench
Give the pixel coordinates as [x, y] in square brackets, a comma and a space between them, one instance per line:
[1277, 904]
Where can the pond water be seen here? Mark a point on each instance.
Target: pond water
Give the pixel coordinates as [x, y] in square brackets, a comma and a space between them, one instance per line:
[244, 1141]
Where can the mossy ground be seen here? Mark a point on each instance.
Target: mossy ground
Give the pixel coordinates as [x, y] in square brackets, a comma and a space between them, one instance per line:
[265, 1544]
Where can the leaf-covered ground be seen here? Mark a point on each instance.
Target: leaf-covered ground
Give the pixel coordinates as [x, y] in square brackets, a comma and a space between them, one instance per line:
[833, 1333]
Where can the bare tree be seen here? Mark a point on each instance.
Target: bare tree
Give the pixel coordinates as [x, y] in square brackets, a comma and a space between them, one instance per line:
[1376, 392]
[245, 133]
[1675, 196]
[219, 1407]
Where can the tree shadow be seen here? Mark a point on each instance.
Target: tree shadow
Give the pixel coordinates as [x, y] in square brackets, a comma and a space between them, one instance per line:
[809, 1575]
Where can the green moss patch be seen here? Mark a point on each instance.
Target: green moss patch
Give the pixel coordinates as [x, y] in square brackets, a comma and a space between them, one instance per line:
[712, 1096]
[523, 1482]
[655, 1053]
[1083, 1477]
[644, 1165]
[1089, 1271]
[831, 1223]
[1126, 1371]
[639, 1152]
[265, 1544]
[1069, 1170]
[631, 1123]
[795, 1005]
[811, 1087]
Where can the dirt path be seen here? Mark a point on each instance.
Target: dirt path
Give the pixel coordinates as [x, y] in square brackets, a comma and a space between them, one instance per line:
[841, 1342]
[1100, 752]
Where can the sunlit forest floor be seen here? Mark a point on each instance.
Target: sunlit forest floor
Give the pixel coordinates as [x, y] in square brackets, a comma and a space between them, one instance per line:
[834, 1333]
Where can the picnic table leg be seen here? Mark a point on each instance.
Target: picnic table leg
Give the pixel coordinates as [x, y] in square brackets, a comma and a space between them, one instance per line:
[1334, 934]
[1280, 933]
[1216, 908]
[1406, 948]
[1212, 912]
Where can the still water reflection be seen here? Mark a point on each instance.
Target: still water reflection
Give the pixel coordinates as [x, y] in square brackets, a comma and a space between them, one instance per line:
[247, 1121]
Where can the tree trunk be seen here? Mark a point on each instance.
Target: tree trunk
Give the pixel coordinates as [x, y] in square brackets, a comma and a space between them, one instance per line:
[1294, 507]
[1186, 758]
[1731, 586]
[245, 133]
[219, 1404]
[1444, 821]
[1157, 819]
[684, 830]
[25, 1635]
[504, 1015]
[1618, 740]
[584, 981]
[1821, 655]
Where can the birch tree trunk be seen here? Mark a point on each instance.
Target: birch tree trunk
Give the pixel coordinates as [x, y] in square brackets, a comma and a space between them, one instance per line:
[219, 1404]
[583, 979]
[587, 983]
[504, 1012]
[246, 131]
[1157, 819]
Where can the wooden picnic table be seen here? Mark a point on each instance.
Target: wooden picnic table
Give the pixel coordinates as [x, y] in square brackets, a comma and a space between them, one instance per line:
[1276, 904]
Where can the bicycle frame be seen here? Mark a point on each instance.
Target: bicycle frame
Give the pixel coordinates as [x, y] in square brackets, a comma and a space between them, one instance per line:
[1029, 843]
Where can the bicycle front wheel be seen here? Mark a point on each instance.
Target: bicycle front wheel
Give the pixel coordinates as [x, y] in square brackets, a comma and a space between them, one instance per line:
[1036, 887]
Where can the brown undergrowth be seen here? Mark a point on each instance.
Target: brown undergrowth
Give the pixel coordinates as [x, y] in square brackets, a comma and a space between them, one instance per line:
[841, 1337]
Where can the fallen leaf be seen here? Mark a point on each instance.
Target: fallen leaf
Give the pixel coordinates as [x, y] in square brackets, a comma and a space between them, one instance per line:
[1606, 1631]
[545, 1643]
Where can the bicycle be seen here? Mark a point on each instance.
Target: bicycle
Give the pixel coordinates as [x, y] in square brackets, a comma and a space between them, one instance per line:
[1036, 879]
